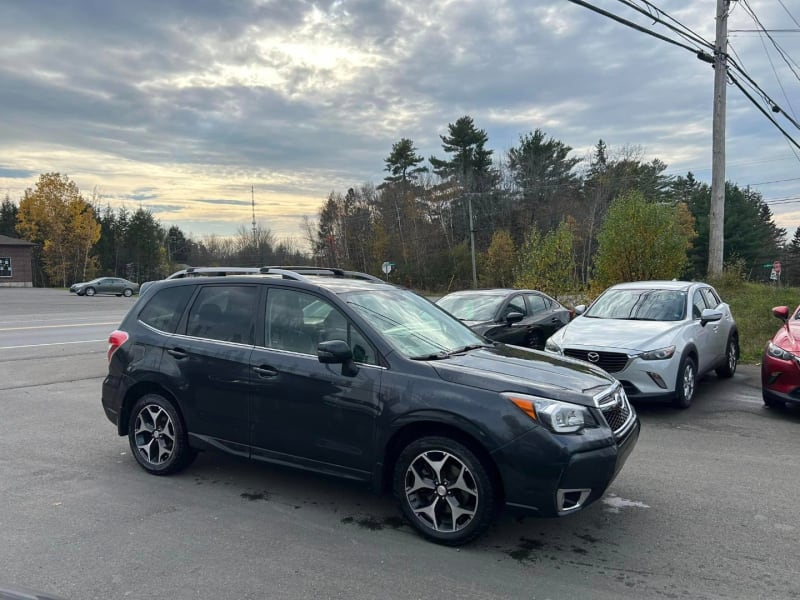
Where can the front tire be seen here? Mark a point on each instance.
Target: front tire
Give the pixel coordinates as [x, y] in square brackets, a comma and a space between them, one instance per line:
[731, 359]
[771, 402]
[535, 340]
[157, 436]
[686, 383]
[444, 490]
[90, 291]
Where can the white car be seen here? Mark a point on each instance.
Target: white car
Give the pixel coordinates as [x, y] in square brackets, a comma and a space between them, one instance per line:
[655, 337]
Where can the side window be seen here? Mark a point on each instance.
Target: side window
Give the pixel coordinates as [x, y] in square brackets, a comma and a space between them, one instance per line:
[165, 308]
[225, 313]
[516, 304]
[537, 303]
[712, 300]
[698, 304]
[297, 322]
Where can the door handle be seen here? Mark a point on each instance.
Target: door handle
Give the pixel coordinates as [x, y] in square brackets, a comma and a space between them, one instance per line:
[265, 371]
[177, 353]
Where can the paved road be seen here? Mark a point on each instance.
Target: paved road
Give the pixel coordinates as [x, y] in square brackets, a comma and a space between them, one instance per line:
[705, 508]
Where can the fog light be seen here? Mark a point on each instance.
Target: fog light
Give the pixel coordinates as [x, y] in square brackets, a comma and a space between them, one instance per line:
[571, 500]
[773, 377]
[657, 380]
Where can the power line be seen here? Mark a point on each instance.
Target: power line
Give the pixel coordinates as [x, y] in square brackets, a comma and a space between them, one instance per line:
[759, 107]
[638, 27]
[691, 36]
[780, 50]
[791, 16]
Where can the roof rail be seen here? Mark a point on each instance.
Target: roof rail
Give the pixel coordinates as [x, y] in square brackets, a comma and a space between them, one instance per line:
[324, 271]
[284, 273]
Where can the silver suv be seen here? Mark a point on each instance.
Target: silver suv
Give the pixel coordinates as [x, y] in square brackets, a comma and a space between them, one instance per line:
[655, 337]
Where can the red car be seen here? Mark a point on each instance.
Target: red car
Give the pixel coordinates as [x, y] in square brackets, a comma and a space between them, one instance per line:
[780, 365]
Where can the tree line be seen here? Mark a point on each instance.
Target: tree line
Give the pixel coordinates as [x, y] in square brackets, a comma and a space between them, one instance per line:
[541, 218]
[78, 239]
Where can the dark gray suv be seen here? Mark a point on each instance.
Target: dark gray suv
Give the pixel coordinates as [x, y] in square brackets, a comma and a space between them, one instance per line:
[350, 376]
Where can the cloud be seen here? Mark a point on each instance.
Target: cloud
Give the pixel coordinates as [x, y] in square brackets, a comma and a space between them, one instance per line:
[184, 105]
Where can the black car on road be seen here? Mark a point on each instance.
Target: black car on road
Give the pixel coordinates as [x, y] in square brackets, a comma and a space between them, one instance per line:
[519, 317]
[354, 377]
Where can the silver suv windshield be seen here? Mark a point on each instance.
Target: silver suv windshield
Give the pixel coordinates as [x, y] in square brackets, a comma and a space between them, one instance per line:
[640, 305]
[415, 327]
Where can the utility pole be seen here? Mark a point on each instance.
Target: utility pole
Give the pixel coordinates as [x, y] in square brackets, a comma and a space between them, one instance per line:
[472, 243]
[716, 217]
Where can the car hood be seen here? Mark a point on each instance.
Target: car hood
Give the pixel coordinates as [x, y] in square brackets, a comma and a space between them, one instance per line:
[788, 337]
[636, 336]
[514, 369]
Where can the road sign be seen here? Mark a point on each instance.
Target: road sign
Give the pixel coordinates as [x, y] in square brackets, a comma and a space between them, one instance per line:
[386, 267]
[776, 266]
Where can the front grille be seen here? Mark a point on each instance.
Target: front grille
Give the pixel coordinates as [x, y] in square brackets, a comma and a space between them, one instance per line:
[616, 410]
[612, 362]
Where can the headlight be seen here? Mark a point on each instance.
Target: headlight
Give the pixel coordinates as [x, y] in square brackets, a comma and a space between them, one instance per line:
[551, 346]
[660, 354]
[557, 416]
[778, 352]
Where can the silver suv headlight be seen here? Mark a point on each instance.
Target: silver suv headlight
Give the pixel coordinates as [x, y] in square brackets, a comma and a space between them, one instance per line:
[557, 416]
[551, 346]
[660, 354]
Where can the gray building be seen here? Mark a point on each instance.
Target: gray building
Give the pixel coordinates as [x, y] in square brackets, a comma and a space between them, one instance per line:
[16, 262]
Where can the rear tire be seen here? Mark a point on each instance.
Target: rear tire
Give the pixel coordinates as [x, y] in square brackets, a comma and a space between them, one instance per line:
[158, 437]
[731, 359]
[444, 490]
[686, 383]
[127, 293]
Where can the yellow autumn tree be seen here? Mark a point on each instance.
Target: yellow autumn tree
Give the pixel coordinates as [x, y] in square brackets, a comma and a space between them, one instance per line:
[547, 262]
[497, 267]
[642, 240]
[55, 215]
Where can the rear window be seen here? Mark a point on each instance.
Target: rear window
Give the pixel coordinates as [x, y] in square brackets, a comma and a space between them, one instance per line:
[165, 308]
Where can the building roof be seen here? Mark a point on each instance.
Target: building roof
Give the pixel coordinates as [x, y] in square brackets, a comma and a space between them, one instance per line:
[10, 241]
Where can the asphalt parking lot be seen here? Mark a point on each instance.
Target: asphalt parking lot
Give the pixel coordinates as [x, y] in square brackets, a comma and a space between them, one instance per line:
[706, 507]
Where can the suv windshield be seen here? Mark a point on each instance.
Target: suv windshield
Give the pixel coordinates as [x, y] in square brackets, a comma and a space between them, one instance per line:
[415, 327]
[640, 305]
[472, 307]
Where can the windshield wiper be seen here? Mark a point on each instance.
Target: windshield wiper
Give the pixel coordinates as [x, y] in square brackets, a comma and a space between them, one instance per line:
[433, 356]
[468, 348]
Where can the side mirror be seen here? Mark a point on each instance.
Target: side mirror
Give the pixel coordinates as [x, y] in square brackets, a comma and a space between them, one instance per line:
[709, 315]
[580, 309]
[514, 317]
[781, 312]
[334, 352]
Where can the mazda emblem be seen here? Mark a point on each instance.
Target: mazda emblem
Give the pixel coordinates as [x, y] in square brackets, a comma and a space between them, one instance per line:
[593, 357]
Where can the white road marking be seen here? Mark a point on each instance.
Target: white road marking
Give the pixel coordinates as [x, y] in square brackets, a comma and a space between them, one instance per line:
[56, 326]
[52, 344]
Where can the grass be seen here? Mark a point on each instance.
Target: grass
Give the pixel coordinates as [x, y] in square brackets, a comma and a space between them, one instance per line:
[751, 305]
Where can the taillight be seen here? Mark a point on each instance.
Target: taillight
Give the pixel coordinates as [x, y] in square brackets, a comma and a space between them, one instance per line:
[115, 340]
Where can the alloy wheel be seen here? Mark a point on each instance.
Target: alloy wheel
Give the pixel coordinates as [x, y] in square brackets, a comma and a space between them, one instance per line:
[154, 434]
[441, 491]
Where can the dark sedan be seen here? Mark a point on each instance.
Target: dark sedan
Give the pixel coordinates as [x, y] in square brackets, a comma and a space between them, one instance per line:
[105, 285]
[519, 317]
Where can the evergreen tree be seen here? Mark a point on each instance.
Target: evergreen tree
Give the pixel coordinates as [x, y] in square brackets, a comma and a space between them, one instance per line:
[8, 217]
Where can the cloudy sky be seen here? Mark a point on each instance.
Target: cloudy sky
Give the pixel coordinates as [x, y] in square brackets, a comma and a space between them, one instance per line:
[181, 106]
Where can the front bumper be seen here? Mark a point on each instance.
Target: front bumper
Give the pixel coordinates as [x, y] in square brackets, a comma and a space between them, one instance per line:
[551, 475]
[780, 379]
